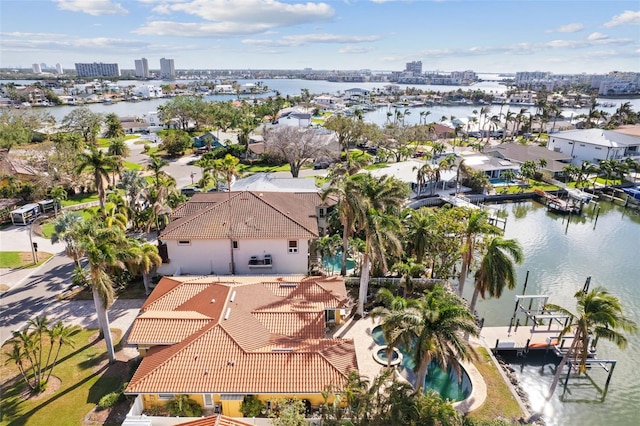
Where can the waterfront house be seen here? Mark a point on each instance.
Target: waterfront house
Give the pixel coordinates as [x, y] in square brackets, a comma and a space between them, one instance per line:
[594, 145]
[517, 154]
[243, 233]
[219, 340]
[491, 166]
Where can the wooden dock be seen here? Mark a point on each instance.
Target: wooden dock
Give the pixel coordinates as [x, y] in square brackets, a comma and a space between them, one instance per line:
[522, 338]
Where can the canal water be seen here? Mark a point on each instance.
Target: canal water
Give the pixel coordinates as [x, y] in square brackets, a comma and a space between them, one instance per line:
[560, 253]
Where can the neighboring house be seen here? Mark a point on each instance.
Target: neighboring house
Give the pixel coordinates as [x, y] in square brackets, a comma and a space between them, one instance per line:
[266, 182]
[16, 168]
[242, 232]
[299, 119]
[493, 167]
[594, 145]
[220, 340]
[209, 137]
[518, 154]
[326, 101]
[132, 125]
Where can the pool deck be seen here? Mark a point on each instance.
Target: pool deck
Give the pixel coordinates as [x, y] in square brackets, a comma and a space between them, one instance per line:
[360, 332]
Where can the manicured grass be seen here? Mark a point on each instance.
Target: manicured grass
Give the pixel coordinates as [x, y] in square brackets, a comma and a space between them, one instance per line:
[21, 259]
[533, 185]
[259, 168]
[132, 166]
[376, 166]
[500, 402]
[85, 377]
[47, 228]
[79, 199]
[104, 142]
[607, 182]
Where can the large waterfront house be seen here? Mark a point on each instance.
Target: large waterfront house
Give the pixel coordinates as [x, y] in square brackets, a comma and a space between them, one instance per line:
[248, 232]
[517, 154]
[219, 340]
[594, 145]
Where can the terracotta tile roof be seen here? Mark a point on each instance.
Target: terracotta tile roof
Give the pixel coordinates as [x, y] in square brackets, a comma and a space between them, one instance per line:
[254, 215]
[217, 420]
[268, 339]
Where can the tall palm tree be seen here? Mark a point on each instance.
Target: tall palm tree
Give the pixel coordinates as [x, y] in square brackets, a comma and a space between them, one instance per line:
[58, 194]
[98, 163]
[477, 226]
[104, 248]
[497, 269]
[351, 206]
[156, 164]
[599, 314]
[228, 167]
[408, 269]
[418, 224]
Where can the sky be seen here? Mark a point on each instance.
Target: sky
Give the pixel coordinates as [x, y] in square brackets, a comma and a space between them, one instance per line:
[486, 36]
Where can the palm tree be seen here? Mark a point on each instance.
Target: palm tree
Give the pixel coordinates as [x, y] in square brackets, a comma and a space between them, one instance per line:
[598, 314]
[477, 226]
[156, 164]
[62, 335]
[351, 206]
[608, 168]
[144, 259]
[100, 165]
[104, 248]
[393, 314]
[58, 194]
[68, 228]
[438, 327]
[497, 269]
[418, 225]
[408, 269]
[227, 166]
[380, 225]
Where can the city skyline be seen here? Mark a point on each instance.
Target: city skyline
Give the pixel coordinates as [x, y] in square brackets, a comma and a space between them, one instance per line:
[568, 36]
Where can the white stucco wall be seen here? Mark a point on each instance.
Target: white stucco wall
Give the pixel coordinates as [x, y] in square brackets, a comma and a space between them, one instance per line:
[581, 151]
[213, 257]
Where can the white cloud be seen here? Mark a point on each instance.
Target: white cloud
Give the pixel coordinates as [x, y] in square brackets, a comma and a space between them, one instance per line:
[597, 36]
[63, 42]
[299, 40]
[200, 29]
[270, 12]
[355, 49]
[92, 7]
[568, 28]
[626, 17]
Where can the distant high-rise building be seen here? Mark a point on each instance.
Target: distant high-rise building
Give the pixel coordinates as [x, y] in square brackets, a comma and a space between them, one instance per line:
[59, 69]
[414, 67]
[167, 69]
[142, 68]
[97, 70]
[36, 69]
[43, 66]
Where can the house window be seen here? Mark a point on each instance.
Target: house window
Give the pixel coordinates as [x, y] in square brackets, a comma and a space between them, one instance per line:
[321, 212]
[184, 243]
[330, 315]
[582, 145]
[208, 400]
[293, 246]
[598, 148]
[235, 244]
[165, 396]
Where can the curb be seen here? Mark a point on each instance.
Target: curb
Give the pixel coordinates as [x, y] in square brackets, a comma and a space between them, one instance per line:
[33, 271]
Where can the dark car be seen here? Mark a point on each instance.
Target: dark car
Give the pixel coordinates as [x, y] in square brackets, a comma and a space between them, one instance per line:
[189, 191]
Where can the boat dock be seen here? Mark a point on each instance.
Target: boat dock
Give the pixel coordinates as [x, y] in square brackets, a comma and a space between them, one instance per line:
[462, 201]
[521, 339]
[557, 204]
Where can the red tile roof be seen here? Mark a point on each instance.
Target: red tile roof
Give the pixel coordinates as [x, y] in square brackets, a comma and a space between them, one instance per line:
[253, 215]
[269, 339]
[217, 420]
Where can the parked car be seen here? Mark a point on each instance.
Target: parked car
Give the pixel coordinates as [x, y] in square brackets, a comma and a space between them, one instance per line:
[189, 191]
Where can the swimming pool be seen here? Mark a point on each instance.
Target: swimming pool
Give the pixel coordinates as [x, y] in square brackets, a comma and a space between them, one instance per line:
[333, 263]
[446, 383]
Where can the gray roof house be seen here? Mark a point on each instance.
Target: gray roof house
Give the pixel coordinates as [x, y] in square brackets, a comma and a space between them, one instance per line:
[518, 154]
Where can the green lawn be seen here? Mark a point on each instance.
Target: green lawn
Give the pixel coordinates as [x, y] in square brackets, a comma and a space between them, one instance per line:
[84, 378]
[132, 166]
[21, 259]
[500, 402]
[47, 227]
[104, 142]
[259, 168]
[79, 199]
[533, 185]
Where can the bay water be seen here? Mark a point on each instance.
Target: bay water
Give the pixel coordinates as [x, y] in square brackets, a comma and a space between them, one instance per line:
[560, 253]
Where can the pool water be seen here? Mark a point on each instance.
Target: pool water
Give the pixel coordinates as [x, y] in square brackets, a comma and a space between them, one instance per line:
[445, 382]
[333, 263]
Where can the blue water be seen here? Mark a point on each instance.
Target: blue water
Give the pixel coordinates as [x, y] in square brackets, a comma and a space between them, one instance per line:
[333, 263]
[445, 382]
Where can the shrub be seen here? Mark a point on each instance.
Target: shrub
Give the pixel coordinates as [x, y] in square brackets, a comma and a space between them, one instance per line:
[251, 406]
[109, 400]
[182, 406]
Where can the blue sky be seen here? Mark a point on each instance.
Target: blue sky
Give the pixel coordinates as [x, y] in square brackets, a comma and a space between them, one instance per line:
[561, 36]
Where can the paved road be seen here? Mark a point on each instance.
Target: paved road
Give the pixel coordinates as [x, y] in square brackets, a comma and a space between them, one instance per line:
[34, 295]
